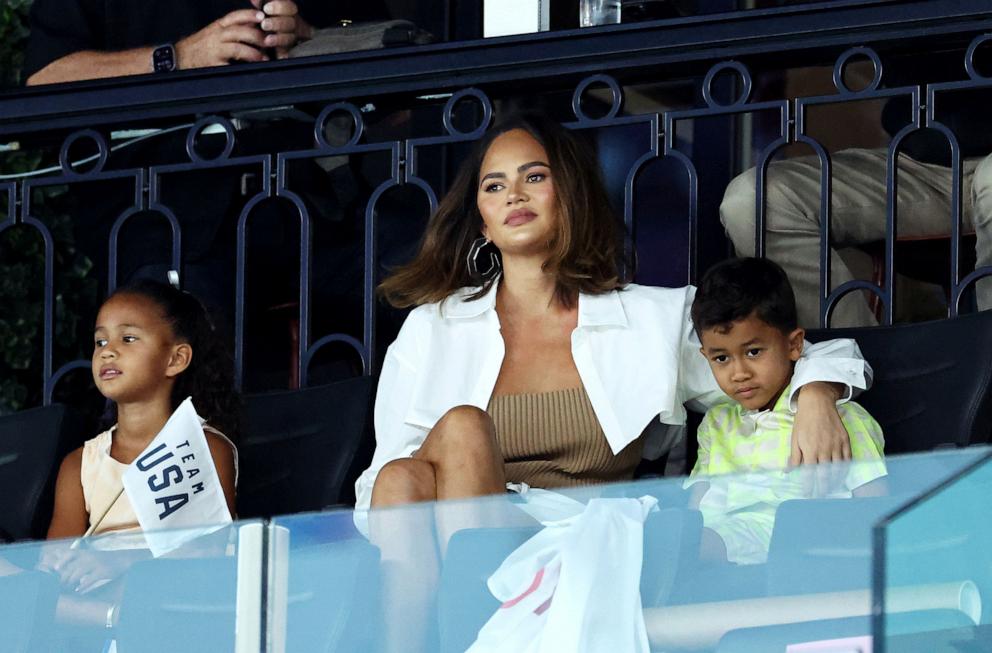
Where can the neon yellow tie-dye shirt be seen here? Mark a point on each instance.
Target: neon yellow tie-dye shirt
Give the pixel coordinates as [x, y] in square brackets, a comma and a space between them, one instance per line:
[754, 448]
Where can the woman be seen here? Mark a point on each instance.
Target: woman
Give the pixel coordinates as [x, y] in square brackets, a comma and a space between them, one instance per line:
[530, 357]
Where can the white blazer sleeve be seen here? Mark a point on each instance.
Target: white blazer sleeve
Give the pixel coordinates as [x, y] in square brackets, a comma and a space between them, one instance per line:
[837, 361]
[395, 438]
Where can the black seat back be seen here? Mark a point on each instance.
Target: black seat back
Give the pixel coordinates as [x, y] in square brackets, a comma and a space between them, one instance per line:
[932, 380]
[297, 446]
[32, 443]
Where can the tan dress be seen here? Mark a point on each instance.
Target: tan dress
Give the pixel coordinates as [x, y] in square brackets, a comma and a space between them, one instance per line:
[553, 439]
[101, 476]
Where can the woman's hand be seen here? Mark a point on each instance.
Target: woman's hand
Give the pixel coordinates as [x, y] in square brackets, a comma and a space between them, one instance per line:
[819, 436]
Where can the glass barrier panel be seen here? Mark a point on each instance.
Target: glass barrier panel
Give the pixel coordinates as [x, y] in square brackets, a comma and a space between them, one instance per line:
[934, 568]
[760, 561]
[109, 593]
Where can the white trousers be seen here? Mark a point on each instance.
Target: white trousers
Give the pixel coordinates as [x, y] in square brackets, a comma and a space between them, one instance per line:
[858, 205]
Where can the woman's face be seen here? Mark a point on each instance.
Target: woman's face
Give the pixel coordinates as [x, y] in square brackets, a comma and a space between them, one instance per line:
[516, 195]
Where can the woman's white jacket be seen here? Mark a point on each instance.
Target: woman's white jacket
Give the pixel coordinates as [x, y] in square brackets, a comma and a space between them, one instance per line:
[635, 351]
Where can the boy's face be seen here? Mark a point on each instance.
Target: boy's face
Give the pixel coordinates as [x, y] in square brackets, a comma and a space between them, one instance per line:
[751, 360]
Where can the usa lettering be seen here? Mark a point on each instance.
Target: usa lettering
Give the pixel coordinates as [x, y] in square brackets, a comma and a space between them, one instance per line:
[168, 476]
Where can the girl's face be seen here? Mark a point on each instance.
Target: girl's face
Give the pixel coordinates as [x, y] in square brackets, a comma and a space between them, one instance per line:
[516, 195]
[135, 355]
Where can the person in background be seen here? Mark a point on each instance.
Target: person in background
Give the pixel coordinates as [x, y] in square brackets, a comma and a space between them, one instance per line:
[859, 195]
[73, 40]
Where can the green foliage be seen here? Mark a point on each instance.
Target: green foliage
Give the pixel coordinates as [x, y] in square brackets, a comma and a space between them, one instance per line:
[22, 310]
[22, 258]
[13, 39]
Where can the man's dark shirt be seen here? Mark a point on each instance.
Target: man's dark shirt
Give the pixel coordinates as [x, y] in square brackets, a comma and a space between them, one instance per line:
[61, 27]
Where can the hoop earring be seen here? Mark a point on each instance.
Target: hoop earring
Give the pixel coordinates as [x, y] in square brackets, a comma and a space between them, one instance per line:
[472, 261]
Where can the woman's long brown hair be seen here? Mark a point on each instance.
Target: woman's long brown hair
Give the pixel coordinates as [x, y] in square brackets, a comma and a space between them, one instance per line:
[586, 253]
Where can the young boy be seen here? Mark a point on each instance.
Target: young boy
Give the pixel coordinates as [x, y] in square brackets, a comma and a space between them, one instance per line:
[744, 313]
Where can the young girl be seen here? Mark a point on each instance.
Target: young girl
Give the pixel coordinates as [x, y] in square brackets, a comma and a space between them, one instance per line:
[153, 346]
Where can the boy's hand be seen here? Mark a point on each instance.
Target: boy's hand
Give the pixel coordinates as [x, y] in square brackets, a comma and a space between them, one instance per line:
[819, 436]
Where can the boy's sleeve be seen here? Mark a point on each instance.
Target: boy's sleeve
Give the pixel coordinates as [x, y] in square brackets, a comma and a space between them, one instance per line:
[867, 445]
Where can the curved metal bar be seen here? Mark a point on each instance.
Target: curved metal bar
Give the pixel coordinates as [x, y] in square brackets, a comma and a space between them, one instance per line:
[628, 186]
[957, 206]
[306, 253]
[826, 181]
[830, 302]
[49, 391]
[760, 184]
[320, 126]
[978, 273]
[101, 148]
[362, 352]
[892, 213]
[844, 59]
[449, 107]
[581, 116]
[282, 178]
[969, 57]
[49, 300]
[241, 260]
[197, 129]
[746, 84]
[690, 167]
[114, 237]
[371, 263]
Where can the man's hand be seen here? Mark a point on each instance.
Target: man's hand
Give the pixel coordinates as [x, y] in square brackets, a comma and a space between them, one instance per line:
[283, 25]
[234, 37]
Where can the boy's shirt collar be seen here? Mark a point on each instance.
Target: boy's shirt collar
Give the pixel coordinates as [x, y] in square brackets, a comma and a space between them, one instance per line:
[750, 419]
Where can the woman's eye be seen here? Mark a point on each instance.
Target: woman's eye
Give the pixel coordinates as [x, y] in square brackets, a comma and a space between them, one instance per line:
[493, 188]
[536, 177]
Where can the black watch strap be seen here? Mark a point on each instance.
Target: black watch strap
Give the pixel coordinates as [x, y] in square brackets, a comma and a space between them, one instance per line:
[164, 58]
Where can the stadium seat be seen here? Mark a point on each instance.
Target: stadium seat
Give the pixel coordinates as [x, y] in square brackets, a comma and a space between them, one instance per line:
[27, 611]
[32, 443]
[932, 380]
[297, 446]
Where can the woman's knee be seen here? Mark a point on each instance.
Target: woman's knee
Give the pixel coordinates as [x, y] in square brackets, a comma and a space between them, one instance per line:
[405, 480]
[464, 434]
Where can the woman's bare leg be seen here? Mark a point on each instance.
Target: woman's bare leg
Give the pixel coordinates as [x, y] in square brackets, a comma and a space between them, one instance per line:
[459, 459]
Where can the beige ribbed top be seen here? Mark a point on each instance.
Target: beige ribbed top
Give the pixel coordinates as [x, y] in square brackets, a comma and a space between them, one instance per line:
[553, 439]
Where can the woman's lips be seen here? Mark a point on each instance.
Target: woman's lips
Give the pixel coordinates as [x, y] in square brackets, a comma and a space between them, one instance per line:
[519, 217]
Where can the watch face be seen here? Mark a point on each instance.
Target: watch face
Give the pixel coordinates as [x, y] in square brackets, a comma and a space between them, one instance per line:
[164, 58]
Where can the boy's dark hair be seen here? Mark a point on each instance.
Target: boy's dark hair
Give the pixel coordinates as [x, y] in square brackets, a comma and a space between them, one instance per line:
[734, 289]
[209, 379]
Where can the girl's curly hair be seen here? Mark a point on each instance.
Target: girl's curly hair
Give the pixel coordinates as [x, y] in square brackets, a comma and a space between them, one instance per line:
[209, 379]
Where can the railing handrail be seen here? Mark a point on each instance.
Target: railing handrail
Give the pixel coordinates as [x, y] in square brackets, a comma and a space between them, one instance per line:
[686, 43]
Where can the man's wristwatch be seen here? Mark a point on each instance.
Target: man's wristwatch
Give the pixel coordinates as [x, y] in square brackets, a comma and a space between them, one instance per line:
[164, 58]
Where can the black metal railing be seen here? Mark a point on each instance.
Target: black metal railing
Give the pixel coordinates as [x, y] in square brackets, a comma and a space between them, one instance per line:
[397, 120]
